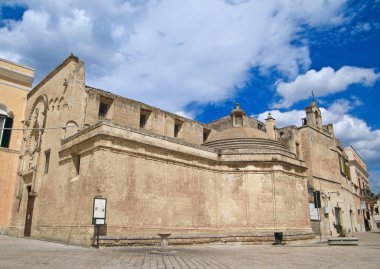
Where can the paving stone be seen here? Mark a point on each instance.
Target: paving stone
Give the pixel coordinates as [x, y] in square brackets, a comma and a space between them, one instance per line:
[17, 253]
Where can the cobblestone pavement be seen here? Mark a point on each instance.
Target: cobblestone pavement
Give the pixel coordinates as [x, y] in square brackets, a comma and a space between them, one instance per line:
[17, 253]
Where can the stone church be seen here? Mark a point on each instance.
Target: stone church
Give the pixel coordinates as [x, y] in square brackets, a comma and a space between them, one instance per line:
[232, 180]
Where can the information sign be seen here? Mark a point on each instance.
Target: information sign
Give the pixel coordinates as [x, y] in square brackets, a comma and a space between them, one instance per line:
[314, 215]
[99, 211]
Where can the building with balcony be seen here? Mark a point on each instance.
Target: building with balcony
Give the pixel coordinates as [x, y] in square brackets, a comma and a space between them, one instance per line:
[360, 187]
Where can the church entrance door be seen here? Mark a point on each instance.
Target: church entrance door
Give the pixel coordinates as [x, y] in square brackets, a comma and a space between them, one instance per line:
[29, 213]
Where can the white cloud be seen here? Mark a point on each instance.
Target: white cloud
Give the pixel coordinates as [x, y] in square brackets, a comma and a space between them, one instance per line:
[324, 82]
[287, 118]
[185, 114]
[333, 114]
[374, 180]
[361, 27]
[168, 53]
[348, 128]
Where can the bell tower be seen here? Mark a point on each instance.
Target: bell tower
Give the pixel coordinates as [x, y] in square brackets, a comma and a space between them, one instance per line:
[270, 126]
[313, 116]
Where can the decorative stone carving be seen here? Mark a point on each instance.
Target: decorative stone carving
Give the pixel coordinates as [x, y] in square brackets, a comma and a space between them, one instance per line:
[36, 122]
[57, 103]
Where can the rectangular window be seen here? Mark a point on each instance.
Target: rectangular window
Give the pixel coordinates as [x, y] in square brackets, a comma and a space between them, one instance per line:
[5, 135]
[2, 122]
[297, 150]
[76, 162]
[78, 165]
[238, 120]
[177, 127]
[47, 161]
[142, 120]
[206, 133]
[341, 165]
[103, 109]
[259, 126]
[105, 105]
[347, 170]
[144, 116]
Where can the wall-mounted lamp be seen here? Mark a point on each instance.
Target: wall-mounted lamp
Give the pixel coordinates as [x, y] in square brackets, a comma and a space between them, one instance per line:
[330, 192]
[324, 195]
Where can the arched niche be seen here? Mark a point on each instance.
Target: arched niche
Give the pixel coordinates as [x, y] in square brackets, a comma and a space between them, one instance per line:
[60, 103]
[71, 128]
[51, 106]
[56, 103]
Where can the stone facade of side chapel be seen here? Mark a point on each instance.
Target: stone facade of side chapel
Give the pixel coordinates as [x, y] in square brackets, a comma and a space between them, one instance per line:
[234, 179]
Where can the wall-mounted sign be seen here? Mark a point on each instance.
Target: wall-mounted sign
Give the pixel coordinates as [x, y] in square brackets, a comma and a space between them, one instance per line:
[362, 205]
[326, 210]
[99, 211]
[314, 214]
[100, 221]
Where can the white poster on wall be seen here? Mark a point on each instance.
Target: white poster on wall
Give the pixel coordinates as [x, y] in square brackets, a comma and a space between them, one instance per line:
[313, 212]
[362, 205]
[99, 208]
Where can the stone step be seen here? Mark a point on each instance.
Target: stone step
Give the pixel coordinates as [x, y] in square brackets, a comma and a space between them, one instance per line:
[343, 241]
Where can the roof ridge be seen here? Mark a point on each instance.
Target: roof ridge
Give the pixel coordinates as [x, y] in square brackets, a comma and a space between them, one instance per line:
[52, 73]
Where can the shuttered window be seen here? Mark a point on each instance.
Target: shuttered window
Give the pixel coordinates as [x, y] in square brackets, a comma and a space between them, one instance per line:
[6, 124]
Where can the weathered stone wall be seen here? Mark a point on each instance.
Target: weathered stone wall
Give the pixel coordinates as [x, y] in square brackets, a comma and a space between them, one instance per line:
[318, 150]
[56, 101]
[319, 154]
[226, 123]
[291, 138]
[126, 112]
[151, 189]
[8, 170]
[153, 181]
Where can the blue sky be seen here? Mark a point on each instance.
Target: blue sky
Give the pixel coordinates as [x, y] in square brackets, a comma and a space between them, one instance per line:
[197, 58]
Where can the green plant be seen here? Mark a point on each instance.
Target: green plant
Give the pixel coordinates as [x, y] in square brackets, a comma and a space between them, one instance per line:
[340, 230]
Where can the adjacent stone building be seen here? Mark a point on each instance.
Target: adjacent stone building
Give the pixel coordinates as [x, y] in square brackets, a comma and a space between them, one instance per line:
[359, 186]
[234, 179]
[337, 172]
[376, 213]
[15, 82]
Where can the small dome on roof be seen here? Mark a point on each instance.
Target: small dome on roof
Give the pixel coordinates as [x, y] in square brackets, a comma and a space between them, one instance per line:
[237, 110]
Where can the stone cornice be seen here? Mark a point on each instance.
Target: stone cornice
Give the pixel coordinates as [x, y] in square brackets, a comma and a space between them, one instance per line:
[105, 135]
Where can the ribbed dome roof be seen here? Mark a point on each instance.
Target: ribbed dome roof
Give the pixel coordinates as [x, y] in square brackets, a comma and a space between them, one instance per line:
[246, 140]
[237, 133]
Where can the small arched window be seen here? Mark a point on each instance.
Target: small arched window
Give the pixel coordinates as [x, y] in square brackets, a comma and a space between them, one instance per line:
[6, 123]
